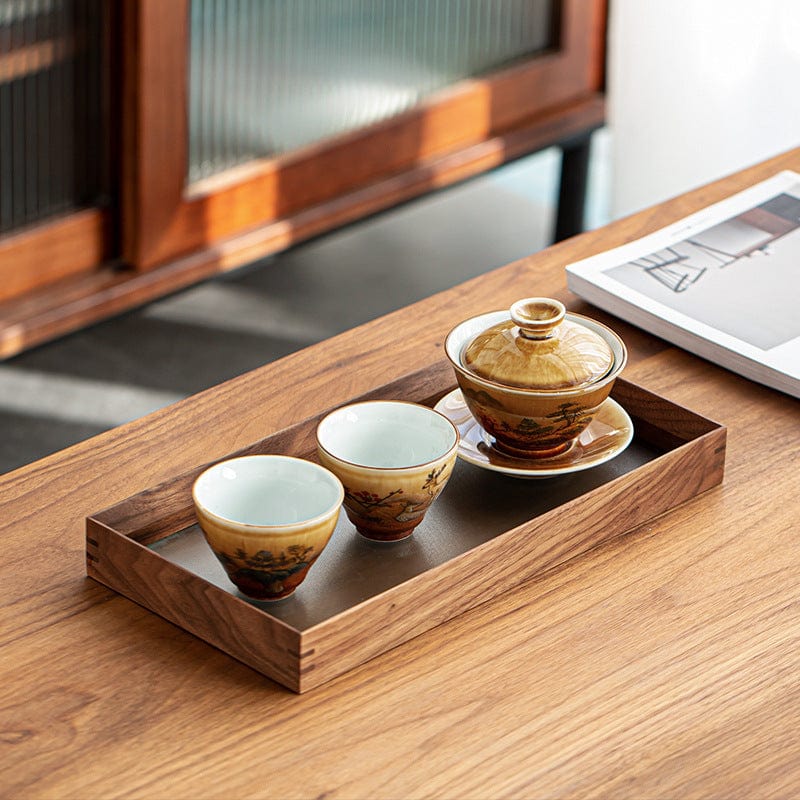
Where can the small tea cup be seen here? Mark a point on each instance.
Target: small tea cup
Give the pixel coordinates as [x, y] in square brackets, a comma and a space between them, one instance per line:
[267, 518]
[393, 457]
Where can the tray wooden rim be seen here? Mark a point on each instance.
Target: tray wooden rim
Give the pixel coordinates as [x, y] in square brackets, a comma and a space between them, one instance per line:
[118, 555]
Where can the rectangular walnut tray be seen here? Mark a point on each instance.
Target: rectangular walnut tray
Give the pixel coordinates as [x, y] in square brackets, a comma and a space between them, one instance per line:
[486, 533]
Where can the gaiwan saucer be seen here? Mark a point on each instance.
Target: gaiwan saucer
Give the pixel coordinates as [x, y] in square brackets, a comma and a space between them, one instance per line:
[609, 433]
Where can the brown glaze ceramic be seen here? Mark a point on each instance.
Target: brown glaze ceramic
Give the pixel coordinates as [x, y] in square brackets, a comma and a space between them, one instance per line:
[393, 458]
[267, 555]
[538, 348]
[607, 435]
[534, 377]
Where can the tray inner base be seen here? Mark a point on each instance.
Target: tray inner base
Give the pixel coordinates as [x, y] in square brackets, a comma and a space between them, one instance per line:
[477, 505]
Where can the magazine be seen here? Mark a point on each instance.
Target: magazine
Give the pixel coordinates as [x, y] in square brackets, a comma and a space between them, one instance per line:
[723, 283]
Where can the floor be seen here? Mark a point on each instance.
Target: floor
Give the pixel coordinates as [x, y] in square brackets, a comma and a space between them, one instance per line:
[83, 384]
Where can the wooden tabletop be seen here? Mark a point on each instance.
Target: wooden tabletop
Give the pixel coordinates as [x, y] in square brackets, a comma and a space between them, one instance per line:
[665, 664]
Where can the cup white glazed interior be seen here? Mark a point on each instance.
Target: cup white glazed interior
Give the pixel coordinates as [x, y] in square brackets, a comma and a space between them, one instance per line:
[394, 458]
[267, 491]
[267, 519]
[387, 434]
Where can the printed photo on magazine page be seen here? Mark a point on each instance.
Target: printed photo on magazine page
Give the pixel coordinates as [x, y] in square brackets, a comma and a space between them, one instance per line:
[723, 283]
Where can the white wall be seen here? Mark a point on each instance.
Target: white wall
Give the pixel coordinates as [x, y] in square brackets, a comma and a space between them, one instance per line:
[698, 89]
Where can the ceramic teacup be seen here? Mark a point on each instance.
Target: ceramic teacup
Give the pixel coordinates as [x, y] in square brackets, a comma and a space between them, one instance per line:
[394, 458]
[267, 518]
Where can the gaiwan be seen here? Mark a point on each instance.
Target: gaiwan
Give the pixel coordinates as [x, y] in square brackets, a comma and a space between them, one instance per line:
[534, 376]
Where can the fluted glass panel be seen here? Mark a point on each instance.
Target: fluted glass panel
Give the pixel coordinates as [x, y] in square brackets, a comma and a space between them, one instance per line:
[52, 118]
[269, 76]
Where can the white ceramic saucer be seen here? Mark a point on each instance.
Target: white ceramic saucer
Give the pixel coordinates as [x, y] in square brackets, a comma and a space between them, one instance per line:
[609, 433]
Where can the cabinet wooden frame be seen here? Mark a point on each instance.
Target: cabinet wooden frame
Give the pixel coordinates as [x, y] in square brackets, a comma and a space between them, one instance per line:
[163, 218]
[78, 241]
[58, 248]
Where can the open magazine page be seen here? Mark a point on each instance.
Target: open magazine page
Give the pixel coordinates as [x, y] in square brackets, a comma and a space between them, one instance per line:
[723, 283]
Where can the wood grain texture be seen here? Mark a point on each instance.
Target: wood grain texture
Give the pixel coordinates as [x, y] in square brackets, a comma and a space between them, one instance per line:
[117, 556]
[71, 304]
[51, 251]
[479, 575]
[154, 121]
[663, 665]
[162, 220]
[233, 625]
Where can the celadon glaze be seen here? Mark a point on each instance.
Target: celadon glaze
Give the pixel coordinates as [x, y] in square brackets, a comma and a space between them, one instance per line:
[267, 519]
[393, 458]
[533, 421]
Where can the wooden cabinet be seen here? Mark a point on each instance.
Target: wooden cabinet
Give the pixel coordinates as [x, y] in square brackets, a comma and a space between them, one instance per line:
[55, 183]
[163, 223]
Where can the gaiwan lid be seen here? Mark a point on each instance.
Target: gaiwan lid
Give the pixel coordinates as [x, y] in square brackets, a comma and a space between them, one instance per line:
[539, 348]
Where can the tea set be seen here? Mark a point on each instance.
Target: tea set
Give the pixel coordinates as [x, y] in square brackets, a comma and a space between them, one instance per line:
[532, 401]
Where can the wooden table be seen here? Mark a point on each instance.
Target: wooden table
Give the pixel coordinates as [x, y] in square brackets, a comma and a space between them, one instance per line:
[663, 665]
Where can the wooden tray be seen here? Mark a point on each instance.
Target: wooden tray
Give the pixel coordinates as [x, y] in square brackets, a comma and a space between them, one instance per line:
[486, 533]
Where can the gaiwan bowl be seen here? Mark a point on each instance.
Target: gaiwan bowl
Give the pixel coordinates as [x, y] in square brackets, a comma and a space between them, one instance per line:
[534, 376]
[267, 518]
[393, 457]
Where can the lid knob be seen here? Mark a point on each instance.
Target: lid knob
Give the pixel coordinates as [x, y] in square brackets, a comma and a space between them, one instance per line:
[537, 317]
[538, 346]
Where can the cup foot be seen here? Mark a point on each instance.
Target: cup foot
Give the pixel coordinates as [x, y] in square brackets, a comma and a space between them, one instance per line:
[267, 590]
[385, 536]
[270, 599]
[519, 452]
[266, 597]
